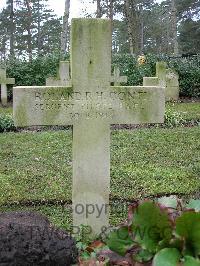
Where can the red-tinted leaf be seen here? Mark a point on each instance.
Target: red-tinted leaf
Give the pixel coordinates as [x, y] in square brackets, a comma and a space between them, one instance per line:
[95, 245]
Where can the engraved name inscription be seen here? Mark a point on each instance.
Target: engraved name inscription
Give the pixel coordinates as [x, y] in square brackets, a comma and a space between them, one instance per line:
[88, 104]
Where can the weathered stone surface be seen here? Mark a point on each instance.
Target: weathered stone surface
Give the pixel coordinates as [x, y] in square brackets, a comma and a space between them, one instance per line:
[90, 105]
[172, 85]
[4, 94]
[161, 70]
[91, 41]
[28, 238]
[150, 81]
[66, 106]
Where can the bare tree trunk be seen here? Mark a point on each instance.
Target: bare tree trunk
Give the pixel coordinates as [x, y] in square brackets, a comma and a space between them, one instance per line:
[129, 25]
[136, 27]
[28, 28]
[111, 12]
[133, 24]
[3, 51]
[167, 43]
[141, 30]
[12, 28]
[39, 42]
[99, 15]
[174, 27]
[64, 35]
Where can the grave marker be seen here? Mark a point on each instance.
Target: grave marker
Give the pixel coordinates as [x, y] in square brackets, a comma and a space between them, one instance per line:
[166, 78]
[161, 70]
[63, 78]
[4, 81]
[91, 105]
[172, 85]
[117, 79]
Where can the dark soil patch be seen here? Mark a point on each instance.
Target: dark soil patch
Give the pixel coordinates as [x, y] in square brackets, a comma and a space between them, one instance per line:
[28, 238]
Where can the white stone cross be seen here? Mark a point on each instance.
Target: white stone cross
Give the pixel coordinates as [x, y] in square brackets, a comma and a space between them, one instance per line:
[167, 78]
[117, 79]
[91, 105]
[4, 81]
[63, 78]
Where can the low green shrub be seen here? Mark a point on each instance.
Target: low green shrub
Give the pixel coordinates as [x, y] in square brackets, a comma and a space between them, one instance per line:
[189, 75]
[188, 70]
[35, 72]
[128, 65]
[160, 233]
[173, 118]
[6, 123]
[165, 232]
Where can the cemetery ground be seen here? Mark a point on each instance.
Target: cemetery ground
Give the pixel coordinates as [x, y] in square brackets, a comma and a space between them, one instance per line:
[36, 167]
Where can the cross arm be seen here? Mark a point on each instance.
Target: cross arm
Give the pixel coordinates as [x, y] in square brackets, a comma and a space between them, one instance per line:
[137, 105]
[4, 80]
[120, 79]
[10, 81]
[53, 81]
[41, 106]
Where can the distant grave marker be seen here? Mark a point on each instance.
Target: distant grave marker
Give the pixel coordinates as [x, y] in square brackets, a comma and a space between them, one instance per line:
[172, 85]
[161, 70]
[166, 78]
[63, 78]
[4, 81]
[91, 105]
[116, 78]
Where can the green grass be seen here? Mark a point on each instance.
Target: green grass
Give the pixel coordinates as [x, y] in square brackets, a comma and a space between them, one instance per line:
[6, 110]
[38, 166]
[189, 111]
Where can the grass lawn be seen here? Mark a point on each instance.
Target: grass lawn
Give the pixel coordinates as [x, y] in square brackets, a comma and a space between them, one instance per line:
[38, 166]
[189, 111]
[5, 110]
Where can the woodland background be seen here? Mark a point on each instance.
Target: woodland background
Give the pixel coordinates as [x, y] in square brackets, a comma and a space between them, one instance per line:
[33, 38]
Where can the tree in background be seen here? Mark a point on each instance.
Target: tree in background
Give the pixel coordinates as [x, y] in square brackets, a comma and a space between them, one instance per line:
[136, 14]
[188, 13]
[10, 6]
[28, 28]
[4, 34]
[33, 26]
[189, 38]
[174, 27]
[65, 29]
[99, 13]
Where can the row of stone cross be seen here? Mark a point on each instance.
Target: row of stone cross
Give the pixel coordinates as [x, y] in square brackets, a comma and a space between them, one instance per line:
[165, 77]
[64, 78]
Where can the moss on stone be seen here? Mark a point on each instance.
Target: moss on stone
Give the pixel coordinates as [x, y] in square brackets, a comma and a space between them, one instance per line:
[20, 114]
